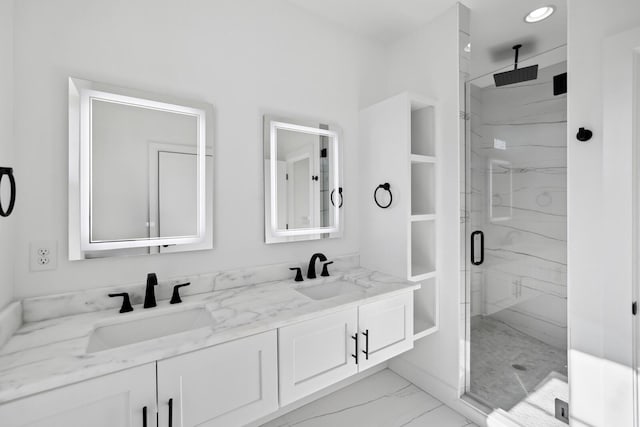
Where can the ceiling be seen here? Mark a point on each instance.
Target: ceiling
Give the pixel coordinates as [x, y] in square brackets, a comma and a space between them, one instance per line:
[496, 25]
[384, 21]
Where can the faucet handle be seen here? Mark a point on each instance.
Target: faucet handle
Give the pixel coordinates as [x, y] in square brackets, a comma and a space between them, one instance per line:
[175, 298]
[126, 302]
[325, 272]
[298, 274]
[152, 279]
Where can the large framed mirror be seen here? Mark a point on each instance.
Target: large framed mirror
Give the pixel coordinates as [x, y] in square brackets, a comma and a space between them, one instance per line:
[140, 172]
[303, 190]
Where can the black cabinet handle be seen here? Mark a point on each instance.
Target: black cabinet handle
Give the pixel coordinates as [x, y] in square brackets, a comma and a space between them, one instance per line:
[144, 417]
[473, 247]
[175, 298]
[366, 344]
[355, 338]
[170, 412]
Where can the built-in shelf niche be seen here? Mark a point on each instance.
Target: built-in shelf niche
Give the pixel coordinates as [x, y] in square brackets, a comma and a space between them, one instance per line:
[423, 263]
[423, 189]
[423, 139]
[408, 227]
[425, 309]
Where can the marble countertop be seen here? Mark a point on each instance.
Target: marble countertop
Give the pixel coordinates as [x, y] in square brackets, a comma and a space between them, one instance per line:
[52, 353]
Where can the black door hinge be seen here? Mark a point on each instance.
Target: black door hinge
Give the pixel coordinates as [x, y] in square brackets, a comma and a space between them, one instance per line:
[286, 177]
[634, 308]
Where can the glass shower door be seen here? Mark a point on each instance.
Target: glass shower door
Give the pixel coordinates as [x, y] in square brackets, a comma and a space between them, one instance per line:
[515, 203]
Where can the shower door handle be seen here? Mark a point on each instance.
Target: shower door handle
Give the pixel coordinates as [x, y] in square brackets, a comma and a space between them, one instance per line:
[473, 247]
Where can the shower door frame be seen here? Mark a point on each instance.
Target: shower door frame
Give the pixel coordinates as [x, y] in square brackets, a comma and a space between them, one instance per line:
[466, 230]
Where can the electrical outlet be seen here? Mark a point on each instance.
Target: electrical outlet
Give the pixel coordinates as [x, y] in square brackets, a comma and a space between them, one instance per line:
[43, 255]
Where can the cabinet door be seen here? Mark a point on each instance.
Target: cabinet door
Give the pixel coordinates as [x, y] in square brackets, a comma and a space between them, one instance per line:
[226, 385]
[112, 400]
[387, 325]
[316, 353]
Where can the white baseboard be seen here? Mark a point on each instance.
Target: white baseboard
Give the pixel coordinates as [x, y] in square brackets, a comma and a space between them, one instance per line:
[500, 418]
[10, 321]
[315, 396]
[438, 389]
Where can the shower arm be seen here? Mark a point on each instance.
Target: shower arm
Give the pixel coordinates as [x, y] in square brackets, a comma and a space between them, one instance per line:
[516, 48]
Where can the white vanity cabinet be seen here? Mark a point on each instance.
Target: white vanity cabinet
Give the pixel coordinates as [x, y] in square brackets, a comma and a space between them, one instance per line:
[386, 329]
[113, 400]
[316, 353]
[319, 352]
[226, 385]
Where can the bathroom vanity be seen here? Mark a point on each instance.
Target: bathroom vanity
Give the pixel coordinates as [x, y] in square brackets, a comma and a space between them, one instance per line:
[231, 356]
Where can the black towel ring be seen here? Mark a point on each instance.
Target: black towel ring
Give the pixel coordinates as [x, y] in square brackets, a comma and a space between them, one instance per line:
[12, 182]
[339, 194]
[387, 187]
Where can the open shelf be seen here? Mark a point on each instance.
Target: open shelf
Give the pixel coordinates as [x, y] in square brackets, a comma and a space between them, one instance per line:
[426, 217]
[411, 228]
[425, 311]
[422, 328]
[422, 276]
[423, 189]
[417, 158]
[422, 130]
[422, 249]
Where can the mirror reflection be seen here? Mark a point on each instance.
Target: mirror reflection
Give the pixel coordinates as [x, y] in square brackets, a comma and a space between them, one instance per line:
[302, 176]
[141, 171]
[501, 190]
[156, 181]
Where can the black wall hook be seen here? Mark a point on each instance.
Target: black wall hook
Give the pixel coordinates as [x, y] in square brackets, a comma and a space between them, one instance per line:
[12, 183]
[386, 187]
[584, 134]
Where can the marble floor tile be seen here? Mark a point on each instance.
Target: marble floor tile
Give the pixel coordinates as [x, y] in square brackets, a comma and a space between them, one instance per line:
[507, 366]
[383, 400]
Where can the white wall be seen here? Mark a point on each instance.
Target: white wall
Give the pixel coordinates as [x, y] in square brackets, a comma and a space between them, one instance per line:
[427, 63]
[598, 262]
[7, 225]
[246, 57]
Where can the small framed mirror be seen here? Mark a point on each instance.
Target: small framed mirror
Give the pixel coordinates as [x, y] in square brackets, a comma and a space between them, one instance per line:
[304, 198]
[140, 172]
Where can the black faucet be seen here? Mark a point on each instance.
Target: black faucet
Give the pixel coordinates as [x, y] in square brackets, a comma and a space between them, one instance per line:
[150, 295]
[311, 271]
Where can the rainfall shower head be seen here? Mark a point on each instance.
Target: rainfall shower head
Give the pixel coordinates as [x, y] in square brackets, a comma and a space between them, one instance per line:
[517, 75]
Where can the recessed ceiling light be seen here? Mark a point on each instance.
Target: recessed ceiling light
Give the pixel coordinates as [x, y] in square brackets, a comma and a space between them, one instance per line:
[539, 14]
[467, 48]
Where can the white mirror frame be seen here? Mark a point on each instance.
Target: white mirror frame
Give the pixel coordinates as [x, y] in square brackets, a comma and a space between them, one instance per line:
[274, 126]
[81, 95]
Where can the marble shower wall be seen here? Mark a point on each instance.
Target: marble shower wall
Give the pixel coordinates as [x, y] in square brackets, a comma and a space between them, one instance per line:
[518, 166]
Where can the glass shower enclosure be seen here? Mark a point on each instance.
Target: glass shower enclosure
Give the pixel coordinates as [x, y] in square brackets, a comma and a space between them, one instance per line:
[516, 244]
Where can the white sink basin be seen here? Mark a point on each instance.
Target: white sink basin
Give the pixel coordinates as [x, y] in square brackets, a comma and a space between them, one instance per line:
[147, 328]
[329, 290]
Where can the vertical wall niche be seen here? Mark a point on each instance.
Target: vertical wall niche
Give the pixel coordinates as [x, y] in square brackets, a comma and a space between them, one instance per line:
[409, 224]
